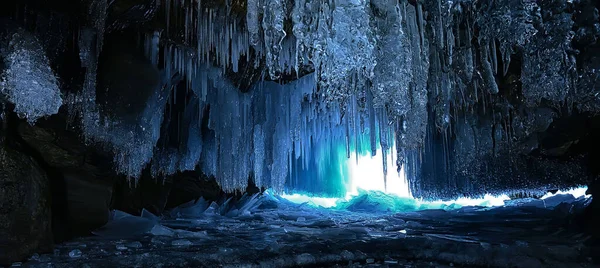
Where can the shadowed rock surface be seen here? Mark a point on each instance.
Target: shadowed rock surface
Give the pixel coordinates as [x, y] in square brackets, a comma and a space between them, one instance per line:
[25, 215]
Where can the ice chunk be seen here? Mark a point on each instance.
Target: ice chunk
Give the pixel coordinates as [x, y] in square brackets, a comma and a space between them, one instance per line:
[117, 215]
[181, 243]
[191, 209]
[160, 230]
[76, 253]
[190, 234]
[28, 80]
[125, 225]
[526, 202]
[148, 215]
[248, 203]
[212, 209]
[305, 259]
[556, 200]
[134, 244]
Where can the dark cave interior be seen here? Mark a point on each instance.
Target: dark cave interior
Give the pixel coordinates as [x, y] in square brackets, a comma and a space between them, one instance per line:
[156, 133]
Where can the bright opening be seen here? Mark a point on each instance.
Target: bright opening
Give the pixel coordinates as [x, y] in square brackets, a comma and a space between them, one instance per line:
[367, 179]
[367, 174]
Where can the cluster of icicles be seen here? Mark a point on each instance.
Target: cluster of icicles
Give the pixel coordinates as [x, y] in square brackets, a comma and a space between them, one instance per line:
[285, 132]
[274, 132]
[373, 71]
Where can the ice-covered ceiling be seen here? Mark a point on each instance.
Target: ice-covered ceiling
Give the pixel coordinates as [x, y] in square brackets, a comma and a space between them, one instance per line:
[275, 90]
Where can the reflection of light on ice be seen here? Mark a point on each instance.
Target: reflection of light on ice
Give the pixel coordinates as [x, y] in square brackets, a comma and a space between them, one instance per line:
[317, 201]
[576, 192]
[487, 201]
[367, 174]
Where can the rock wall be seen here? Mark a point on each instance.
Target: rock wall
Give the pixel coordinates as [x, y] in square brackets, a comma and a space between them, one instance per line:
[25, 213]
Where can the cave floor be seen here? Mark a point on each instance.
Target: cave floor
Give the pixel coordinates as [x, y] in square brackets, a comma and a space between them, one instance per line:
[301, 235]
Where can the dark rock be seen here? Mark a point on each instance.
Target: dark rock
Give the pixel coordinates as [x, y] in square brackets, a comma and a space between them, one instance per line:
[88, 199]
[123, 14]
[157, 194]
[81, 177]
[147, 193]
[25, 215]
[49, 144]
[189, 186]
[126, 79]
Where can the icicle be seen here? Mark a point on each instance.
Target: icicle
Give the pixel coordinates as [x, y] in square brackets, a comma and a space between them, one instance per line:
[450, 46]
[372, 124]
[186, 26]
[392, 137]
[252, 21]
[421, 22]
[355, 121]
[494, 56]
[347, 138]
[383, 140]
[440, 26]
[488, 74]
[506, 53]
[168, 13]
[155, 47]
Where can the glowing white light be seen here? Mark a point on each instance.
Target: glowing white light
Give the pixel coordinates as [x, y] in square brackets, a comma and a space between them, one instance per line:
[576, 192]
[367, 174]
[487, 201]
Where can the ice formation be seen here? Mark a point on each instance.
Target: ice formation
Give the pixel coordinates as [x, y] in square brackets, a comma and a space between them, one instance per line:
[379, 201]
[364, 75]
[302, 235]
[28, 80]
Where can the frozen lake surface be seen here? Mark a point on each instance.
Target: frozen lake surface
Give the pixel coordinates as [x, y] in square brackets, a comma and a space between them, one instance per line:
[269, 231]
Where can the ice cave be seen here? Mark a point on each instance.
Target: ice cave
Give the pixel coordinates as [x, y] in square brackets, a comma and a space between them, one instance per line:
[299, 133]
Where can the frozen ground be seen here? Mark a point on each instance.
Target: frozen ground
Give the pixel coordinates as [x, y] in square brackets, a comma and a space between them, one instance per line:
[270, 231]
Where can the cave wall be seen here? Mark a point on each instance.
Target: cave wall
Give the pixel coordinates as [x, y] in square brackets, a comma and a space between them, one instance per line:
[136, 104]
[478, 96]
[470, 81]
[466, 82]
[25, 207]
[525, 125]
